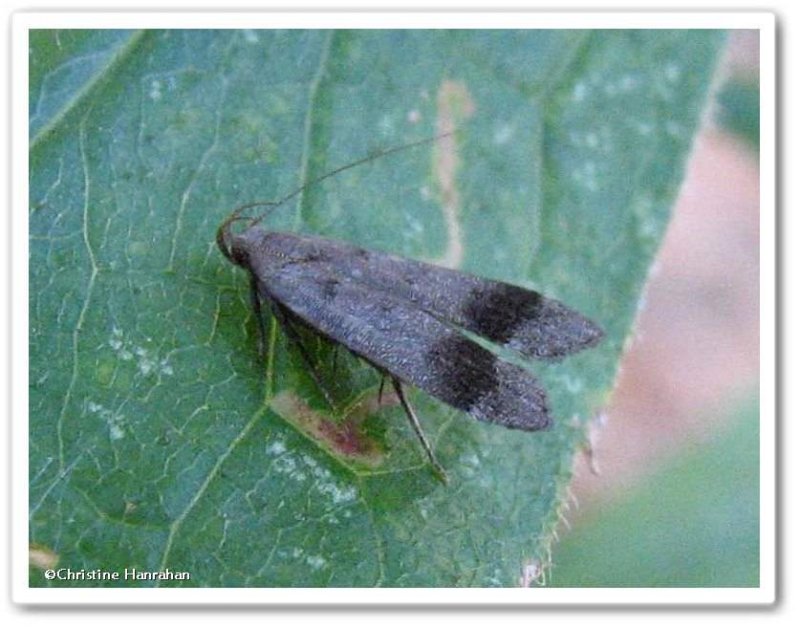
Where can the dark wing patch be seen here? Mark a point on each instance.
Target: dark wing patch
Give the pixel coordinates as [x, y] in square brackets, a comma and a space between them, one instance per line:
[508, 315]
[498, 312]
[410, 343]
[465, 378]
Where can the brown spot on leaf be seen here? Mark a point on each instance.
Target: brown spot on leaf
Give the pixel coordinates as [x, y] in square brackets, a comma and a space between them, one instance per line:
[343, 437]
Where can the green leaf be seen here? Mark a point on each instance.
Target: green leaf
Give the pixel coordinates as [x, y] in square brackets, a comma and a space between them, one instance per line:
[739, 110]
[157, 440]
[694, 523]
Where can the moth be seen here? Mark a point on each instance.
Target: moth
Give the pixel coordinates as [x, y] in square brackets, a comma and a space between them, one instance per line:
[410, 320]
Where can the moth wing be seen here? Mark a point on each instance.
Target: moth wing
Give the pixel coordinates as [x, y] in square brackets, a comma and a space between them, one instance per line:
[508, 315]
[409, 343]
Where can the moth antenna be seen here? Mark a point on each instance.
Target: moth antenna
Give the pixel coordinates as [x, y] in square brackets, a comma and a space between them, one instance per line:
[374, 155]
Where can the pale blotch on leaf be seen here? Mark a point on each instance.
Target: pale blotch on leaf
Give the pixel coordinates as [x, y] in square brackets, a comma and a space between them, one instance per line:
[42, 557]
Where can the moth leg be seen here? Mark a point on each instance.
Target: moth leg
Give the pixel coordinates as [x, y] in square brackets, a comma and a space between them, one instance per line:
[294, 337]
[412, 417]
[380, 389]
[334, 360]
[255, 302]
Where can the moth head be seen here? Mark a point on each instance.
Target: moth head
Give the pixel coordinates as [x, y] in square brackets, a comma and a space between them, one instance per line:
[226, 238]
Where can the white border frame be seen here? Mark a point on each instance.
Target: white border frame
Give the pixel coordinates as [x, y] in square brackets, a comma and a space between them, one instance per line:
[22, 593]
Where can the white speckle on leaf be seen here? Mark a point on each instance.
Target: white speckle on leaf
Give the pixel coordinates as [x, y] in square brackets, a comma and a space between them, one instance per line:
[648, 227]
[414, 116]
[586, 176]
[628, 83]
[610, 89]
[415, 225]
[386, 125]
[495, 580]
[674, 129]
[316, 562]
[572, 385]
[114, 420]
[579, 92]
[503, 134]
[338, 494]
[116, 432]
[312, 464]
[116, 339]
[672, 72]
[470, 463]
[644, 128]
[250, 36]
[592, 140]
[155, 89]
[146, 361]
[470, 460]
[287, 465]
[424, 505]
[300, 468]
[326, 485]
[330, 519]
[276, 448]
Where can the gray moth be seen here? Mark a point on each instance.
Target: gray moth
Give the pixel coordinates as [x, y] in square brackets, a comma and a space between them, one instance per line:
[408, 319]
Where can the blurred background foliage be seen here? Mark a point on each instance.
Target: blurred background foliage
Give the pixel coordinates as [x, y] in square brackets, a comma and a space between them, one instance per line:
[693, 523]
[738, 109]
[689, 518]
